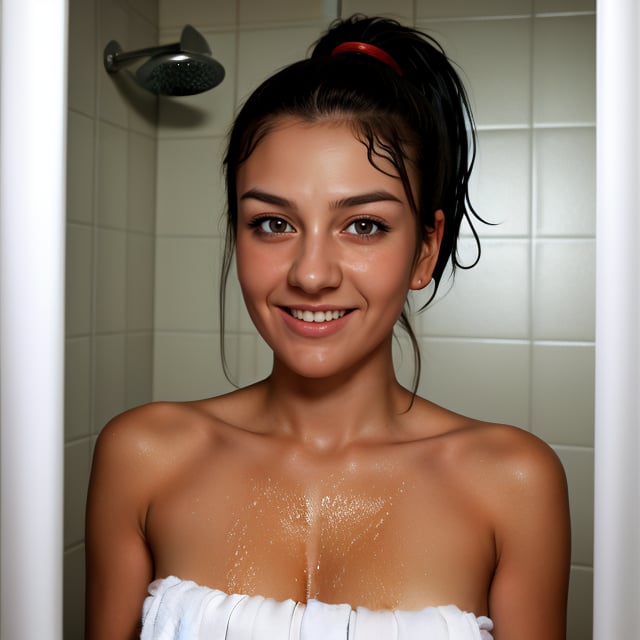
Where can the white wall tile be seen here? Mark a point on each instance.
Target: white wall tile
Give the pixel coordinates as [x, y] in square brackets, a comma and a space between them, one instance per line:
[77, 388]
[578, 465]
[258, 12]
[484, 380]
[110, 282]
[500, 186]
[199, 13]
[139, 364]
[403, 360]
[491, 300]
[188, 367]
[80, 165]
[562, 6]
[142, 104]
[141, 183]
[563, 69]
[264, 51]
[209, 113]
[562, 393]
[566, 181]
[113, 25]
[113, 154]
[186, 296]
[495, 58]
[110, 378]
[471, 8]
[191, 195]
[77, 460]
[564, 290]
[140, 282]
[82, 56]
[401, 10]
[74, 578]
[79, 279]
[579, 618]
[147, 9]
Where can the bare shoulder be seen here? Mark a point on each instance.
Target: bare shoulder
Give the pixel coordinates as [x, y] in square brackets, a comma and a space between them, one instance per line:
[149, 443]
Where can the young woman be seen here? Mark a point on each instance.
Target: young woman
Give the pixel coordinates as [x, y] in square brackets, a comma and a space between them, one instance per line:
[327, 500]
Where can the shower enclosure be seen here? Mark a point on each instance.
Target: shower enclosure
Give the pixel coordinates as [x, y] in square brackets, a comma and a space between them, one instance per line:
[32, 136]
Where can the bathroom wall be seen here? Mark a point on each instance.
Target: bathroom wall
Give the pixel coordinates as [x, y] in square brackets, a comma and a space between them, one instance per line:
[513, 340]
[110, 252]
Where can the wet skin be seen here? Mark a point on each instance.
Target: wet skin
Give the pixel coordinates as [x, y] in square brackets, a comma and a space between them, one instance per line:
[320, 481]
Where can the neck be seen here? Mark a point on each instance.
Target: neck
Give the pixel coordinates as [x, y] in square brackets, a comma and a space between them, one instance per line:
[364, 403]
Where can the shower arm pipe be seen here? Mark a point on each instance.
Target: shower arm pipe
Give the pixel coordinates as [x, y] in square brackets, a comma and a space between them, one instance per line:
[115, 58]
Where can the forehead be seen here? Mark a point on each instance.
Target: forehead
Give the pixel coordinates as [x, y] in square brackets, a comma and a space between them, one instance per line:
[294, 152]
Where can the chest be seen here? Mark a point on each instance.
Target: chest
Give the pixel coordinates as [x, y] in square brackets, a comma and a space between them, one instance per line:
[379, 538]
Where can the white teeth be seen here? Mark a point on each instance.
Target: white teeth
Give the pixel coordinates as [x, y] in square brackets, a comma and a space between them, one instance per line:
[316, 316]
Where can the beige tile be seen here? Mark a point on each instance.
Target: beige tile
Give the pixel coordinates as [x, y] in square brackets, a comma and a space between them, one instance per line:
[199, 13]
[113, 105]
[82, 56]
[191, 195]
[79, 270]
[110, 377]
[500, 187]
[77, 388]
[494, 57]
[80, 164]
[209, 113]
[140, 281]
[141, 184]
[580, 609]
[566, 181]
[564, 69]
[264, 51]
[247, 359]
[110, 284]
[401, 10]
[563, 393]
[142, 104]
[139, 353]
[489, 301]
[562, 6]
[238, 316]
[564, 290]
[77, 462]
[148, 9]
[187, 367]
[578, 465]
[186, 295]
[471, 8]
[484, 380]
[113, 167]
[279, 11]
[74, 593]
[403, 360]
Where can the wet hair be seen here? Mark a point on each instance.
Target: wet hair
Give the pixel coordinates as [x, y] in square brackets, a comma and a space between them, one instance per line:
[420, 121]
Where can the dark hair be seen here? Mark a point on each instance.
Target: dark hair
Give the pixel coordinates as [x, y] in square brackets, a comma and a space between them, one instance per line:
[420, 119]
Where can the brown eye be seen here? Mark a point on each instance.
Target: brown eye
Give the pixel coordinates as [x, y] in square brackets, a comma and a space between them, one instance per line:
[365, 227]
[274, 225]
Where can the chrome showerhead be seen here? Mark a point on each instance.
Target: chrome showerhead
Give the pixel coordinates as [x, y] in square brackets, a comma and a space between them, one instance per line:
[180, 69]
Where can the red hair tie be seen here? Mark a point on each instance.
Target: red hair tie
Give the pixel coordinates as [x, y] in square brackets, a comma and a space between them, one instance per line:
[368, 50]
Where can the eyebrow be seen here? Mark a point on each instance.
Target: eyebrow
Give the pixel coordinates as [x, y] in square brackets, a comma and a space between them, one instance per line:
[350, 201]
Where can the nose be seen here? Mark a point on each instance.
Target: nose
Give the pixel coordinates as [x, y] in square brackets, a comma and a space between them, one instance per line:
[316, 265]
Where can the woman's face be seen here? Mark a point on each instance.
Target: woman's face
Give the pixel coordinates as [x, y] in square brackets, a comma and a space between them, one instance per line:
[325, 247]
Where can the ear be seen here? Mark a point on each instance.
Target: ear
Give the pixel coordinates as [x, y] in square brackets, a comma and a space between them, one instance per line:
[426, 262]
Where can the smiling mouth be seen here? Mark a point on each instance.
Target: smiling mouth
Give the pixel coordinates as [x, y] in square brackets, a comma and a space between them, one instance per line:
[317, 316]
